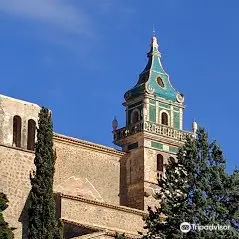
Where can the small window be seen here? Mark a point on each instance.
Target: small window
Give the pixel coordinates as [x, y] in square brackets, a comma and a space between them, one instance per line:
[17, 131]
[159, 163]
[160, 81]
[164, 118]
[135, 117]
[31, 131]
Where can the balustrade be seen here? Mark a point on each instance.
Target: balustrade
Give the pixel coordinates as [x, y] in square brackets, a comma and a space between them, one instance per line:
[147, 126]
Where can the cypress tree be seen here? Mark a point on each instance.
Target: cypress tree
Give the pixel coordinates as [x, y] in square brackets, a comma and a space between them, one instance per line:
[5, 230]
[43, 223]
[196, 189]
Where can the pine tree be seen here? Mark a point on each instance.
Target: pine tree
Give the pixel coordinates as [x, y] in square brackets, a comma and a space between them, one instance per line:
[5, 230]
[42, 209]
[231, 200]
[196, 189]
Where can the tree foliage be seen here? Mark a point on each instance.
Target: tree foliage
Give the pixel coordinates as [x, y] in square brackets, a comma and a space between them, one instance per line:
[120, 236]
[196, 189]
[5, 230]
[43, 223]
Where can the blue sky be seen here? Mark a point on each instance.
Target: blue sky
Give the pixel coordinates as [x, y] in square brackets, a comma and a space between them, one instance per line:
[79, 58]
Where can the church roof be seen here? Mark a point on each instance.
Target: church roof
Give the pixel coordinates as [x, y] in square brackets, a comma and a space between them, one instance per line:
[153, 79]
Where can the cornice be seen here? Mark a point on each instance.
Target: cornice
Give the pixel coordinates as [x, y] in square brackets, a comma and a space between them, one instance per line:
[19, 101]
[163, 139]
[161, 150]
[74, 141]
[152, 97]
[134, 100]
[18, 149]
[162, 100]
[86, 144]
[106, 231]
[102, 204]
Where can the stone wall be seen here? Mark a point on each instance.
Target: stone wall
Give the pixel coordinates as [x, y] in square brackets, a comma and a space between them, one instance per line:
[10, 107]
[15, 167]
[82, 169]
[100, 215]
[132, 179]
[150, 162]
[87, 169]
[138, 171]
[150, 176]
[16, 163]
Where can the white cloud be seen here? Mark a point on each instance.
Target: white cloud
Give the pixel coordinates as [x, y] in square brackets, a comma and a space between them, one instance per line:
[57, 13]
[73, 24]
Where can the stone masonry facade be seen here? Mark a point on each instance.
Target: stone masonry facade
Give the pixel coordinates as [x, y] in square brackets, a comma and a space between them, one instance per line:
[83, 169]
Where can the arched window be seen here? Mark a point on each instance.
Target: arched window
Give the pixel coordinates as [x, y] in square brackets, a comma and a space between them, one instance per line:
[17, 131]
[135, 116]
[164, 118]
[31, 131]
[159, 163]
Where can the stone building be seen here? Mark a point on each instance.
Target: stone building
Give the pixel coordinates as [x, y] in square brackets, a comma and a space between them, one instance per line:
[103, 190]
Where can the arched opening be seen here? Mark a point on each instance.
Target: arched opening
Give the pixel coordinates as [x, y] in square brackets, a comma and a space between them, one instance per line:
[159, 163]
[17, 131]
[31, 132]
[164, 118]
[135, 117]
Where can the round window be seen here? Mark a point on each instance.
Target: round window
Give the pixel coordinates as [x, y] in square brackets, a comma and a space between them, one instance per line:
[160, 81]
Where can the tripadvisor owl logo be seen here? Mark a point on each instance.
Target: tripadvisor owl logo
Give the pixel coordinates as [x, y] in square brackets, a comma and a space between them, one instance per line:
[185, 227]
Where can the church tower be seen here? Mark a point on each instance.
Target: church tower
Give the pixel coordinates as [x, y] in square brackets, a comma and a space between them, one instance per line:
[153, 132]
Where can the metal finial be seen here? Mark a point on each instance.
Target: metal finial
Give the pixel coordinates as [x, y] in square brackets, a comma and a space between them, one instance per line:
[153, 30]
[115, 124]
[194, 126]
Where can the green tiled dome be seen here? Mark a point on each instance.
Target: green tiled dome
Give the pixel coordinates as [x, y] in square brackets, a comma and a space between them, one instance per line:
[153, 78]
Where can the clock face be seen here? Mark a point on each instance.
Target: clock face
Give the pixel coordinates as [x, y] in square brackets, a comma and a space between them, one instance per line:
[180, 97]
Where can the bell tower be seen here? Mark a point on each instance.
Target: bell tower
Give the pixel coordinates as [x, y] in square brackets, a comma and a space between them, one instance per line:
[153, 132]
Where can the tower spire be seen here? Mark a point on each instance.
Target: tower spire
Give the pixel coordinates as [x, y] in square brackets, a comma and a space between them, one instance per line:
[153, 79]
